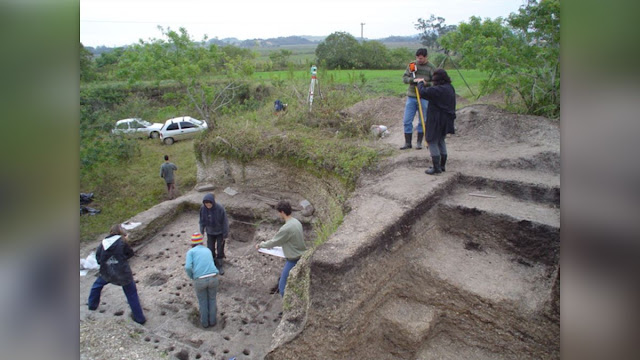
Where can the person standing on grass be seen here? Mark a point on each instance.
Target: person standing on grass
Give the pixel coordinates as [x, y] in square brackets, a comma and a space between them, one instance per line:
[442, 113]
[112, 255]
[423, 69]
[291, 238]
[166, 172]
[213, 220]
[201, 269]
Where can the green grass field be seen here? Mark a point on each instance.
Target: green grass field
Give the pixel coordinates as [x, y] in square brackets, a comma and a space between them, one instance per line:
[125, 189]
[386, 82]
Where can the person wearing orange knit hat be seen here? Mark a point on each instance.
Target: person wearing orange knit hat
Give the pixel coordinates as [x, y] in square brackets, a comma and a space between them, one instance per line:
[201, 269]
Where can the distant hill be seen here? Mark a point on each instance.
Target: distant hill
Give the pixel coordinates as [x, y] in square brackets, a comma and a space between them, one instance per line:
[393, 39]
[271, 42]
[277, 42]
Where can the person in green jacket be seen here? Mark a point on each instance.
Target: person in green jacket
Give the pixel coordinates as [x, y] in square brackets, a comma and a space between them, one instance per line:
[424, 70]
[291, 238]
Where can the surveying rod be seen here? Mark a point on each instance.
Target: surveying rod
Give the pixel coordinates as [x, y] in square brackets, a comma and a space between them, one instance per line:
[413, 68]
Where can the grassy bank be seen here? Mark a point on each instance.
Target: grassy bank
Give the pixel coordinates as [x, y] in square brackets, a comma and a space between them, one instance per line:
[125, 189]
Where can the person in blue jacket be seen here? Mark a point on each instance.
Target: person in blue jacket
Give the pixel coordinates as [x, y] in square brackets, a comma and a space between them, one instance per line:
[201, 269]
[112, 255]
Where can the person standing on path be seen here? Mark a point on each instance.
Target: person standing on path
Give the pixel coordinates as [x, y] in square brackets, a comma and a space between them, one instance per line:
[424, 70]
[201, 269]
[291, 238]
[112, 255]
[442, 113]
[213, 220]
[166, 172]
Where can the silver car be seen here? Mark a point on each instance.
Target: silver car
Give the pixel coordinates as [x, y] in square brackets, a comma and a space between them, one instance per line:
[181, 128]
[137, 127]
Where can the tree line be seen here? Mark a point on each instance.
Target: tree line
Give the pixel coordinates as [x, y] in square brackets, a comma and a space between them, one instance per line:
[521, 54]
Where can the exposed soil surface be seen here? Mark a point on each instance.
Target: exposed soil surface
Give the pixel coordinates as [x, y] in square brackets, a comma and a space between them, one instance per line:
[249, 309]
[457, 266]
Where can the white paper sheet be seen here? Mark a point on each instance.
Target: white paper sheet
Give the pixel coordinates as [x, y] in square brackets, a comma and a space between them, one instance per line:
[276, 251]
[130, 225]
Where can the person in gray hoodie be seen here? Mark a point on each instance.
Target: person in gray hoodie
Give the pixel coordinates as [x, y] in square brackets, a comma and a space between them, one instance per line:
[112, 255]
[213, 220]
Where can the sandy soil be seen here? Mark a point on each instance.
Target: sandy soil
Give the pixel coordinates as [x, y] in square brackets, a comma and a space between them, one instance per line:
[488, 140]
[248, 308]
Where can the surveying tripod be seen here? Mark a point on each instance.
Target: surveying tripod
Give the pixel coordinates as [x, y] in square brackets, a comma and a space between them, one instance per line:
[312, 86]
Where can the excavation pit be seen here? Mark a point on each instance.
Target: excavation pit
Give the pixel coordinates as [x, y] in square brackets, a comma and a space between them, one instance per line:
[245, 295]
[464, 265]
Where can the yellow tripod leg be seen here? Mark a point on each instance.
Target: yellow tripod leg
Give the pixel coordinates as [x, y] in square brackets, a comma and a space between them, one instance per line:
[424, 129]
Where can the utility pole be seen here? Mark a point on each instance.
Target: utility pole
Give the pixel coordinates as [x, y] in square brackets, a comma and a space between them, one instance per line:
[362, 31]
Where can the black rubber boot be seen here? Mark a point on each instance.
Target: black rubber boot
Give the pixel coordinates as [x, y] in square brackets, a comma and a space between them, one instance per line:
[443, 160]
[435, 169]
[407, 141]
[219, 264]
[419, 144]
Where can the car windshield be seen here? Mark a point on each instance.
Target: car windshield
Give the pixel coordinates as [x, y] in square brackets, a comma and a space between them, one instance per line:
[196, 121]
[144, 122]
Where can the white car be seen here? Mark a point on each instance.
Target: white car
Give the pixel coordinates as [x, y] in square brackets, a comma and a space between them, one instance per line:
[137, 127]
[181, 128]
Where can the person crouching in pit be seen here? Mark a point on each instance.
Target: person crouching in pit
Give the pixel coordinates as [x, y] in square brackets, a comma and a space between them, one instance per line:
[201, 269]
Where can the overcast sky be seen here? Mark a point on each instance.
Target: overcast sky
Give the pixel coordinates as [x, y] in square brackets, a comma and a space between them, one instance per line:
[122, 22]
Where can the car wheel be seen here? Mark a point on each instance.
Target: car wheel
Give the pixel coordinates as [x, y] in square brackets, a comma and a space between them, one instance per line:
[155, 135]
[168, 141]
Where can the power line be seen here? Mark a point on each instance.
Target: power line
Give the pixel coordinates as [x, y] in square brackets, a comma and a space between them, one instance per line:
[152, 22]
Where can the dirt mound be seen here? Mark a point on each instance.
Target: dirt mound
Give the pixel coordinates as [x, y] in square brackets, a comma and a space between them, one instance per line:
[490, 123]
[460, 100]
[385, 110]
[547, 161]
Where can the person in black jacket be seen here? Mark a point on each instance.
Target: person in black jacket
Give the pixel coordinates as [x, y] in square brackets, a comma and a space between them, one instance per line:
[112, 255]
[213, 220]
[440, 116]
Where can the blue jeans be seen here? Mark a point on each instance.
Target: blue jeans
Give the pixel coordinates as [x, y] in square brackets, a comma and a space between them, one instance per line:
[206, 290]
[410, 110]
[285, 274]
[130, 292]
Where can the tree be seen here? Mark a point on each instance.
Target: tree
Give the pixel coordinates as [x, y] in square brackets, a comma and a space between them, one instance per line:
[87, 67]
[338, 50]
[521, 54]
[191, 64]
[400, 57]
[373, 55]
[432, 29]
[109, 58]
[280, 58]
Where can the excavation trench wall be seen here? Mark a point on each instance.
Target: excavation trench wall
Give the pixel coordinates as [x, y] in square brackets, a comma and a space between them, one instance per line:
[444, 276]
[259, 186]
